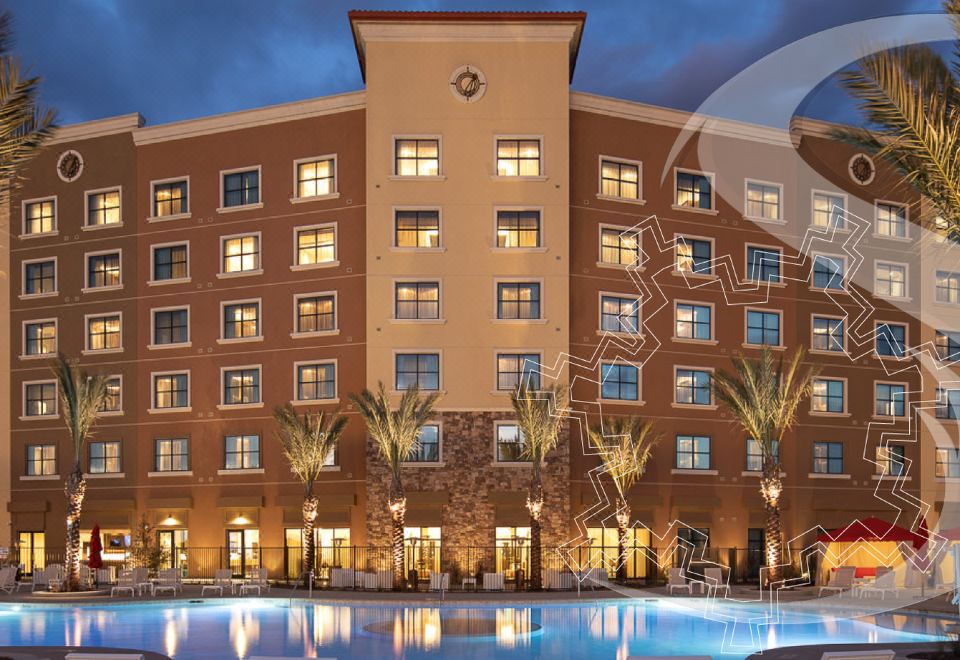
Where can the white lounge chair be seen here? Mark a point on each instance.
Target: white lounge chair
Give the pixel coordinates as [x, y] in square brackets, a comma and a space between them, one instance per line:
[883, 654]
[168, 580]
[142, 579]
[439, 582]
[8, 579]
[886, 583]
[342, 578]
[715, 582]
[126, 581]
[677, 580]
[55, 576]
[38, 579]
[493, 582]
[257, 581]
[106, 576]
[841, 581]
[222, 579]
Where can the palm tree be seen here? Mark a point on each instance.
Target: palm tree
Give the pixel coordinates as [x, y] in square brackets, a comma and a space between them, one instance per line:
[81, 397]
[307, 441]
[624, 444]
[24, 127]
[539, 418]
[909, 96]
[763, 396]
[397, 434]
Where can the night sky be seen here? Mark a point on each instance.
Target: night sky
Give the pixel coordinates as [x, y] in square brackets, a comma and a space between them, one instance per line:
[178, 59]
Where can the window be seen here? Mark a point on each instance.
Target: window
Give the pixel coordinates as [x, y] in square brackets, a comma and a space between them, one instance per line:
[827, 334]
[828, 210]
[241, 386]
[241, 452]
[763, 264]
[828, 272]
[169, 198]
[171, 391]
[316, 245]
[113, 401]
[241, 188]
[516, 368]
[170, 262]
[241, 320]
[827, 458]
[40, 277]
[40, 217]
[828, 396]
[619, 179]
[241, 254]
[697, 537]
[693, 322]
[948, 404]
[316, 381]
[948, 345]
[694, 190]
[891, 280]
[694, 256]
[891, 460]
[105, 457]
[763, 328]
[518, 300]
[948, 231]
[416, 300]
[40, 399]
[40, 338]
[171, 455]
[103, 333]
[619, 381]
[41, 460]
[103, 208]
[417, 229]
[890, 400]
[693, 387]
[103, 270]
[316, 178]
[518, 229]
[891, 220]
[891, 339]
[693, 452]
[948, 463]
[763, 201]
[428, 445]
[417, 370]
[510, 445]
[948, 287]
[171, 326]
[417, 157]
[755, 454]
[619, 314]
[518, 157]
[316, 313]
[619, 247]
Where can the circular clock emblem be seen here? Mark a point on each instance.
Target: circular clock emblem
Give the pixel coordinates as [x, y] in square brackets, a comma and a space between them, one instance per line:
[862, 169]
[467, 84]
[70, 165]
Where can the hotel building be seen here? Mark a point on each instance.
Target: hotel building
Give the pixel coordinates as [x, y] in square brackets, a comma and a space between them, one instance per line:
[464, 219]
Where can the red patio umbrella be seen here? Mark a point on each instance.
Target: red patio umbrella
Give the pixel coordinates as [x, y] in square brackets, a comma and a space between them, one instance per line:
[96, 547]
[923, 534]
[872, 529]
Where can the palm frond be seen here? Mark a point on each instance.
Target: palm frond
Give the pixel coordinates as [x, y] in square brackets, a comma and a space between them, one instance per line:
[625, 445]
[307, 440]
[539, 416]
[81, 397]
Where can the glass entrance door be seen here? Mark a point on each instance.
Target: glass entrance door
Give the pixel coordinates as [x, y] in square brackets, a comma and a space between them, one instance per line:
[755, 536]
[513, 551]
[32, 550]
[243, 549]
[173, 542]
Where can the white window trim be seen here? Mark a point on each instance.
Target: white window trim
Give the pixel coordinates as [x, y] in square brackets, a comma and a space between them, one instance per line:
[393, 228]
[495, 175]
[846, 398]
[834, 317]
[746, 265]
[56, 461]
[177, 280]
[86, 288]
[439, 462]
[496, 429]
[86, 333]
[846, 278]
[336, 382]
[767, 310]
[240, 340]
[296, 247]
[243, 207]
[638, 267]
[23, 338]
[296, 198]
[416, 351]
[153, 328]
[622, 161]
[539, 352]
[691, 340]
[319, 333]
[175, 216]
[693, 406]
[639, 401]
[23, 399]
[106, 475]
[678, 240]
[713, 191]
[518, 250]
[416, 280]
[86, 208]
[542, 320]
[222, 274]
[906, 340]
[23, 279]
[830, 193]
[241, 406]
[639, 305]
[23, 217]
[119, 411]
[906, 400]
[906, 220]
[153, 392]
[906, 280]
[439, 176]
[781, 205]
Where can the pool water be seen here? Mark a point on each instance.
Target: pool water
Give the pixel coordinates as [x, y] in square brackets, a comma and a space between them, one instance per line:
[240, 629]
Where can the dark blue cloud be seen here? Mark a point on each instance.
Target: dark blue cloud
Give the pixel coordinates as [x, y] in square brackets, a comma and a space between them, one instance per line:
[176, 59]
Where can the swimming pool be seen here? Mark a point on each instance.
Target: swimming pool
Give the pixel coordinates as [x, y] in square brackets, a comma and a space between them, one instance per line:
[295, 628]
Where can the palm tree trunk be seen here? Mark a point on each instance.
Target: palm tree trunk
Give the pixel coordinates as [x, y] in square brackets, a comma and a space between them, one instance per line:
[770, 488]
[623, 521]
[398, 512]
[75, 490]
[535, 507]
[309, 546]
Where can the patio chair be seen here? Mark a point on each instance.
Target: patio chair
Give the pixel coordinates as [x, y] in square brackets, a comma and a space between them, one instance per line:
[677, 580]
[106, 576]
[864, 654]
[884, 584]
[8, 579]
[55, 576]
[715, 583]
[493, 581]
[168, 580]
[439, 582]
[257, 581]
[39, 579]
[126, 581]
[142, 578]
[222, 578]
[841, 581]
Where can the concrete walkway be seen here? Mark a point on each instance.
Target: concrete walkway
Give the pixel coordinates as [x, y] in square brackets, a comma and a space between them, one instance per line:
[60, 652]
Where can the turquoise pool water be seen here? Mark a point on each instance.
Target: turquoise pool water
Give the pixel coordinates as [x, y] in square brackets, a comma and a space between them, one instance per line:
[298, 629]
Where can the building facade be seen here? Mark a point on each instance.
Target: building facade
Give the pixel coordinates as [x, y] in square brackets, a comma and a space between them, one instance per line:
[465, 223]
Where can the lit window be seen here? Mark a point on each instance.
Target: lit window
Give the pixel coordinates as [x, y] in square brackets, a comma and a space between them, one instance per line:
[948, 463]
[316, 381]
[518, 300]
[316, 314]
[516, 368]
[428, 445]
[114, 397]
[241, 386]
[891, 460]
[693, 322]
[417, 229]
[510, 444]
[619, 179]
[948, 404]
[828, 272]
[694, 190]
[170, 263]
[241, 320]
[828, 396]
[693, 386]
[518, 157]
[948, 345]
[890, 400]
[103, 208]
[241, 188]
[948, 287]
[40, 338]
[316, 245]
[618, 314]
[420, 370]
[891, 339]
[755, 454]
[763, 201]
[39, 278]
[891, 280]
[417, 300]
[316, 178]
[827, 334]
[416, 157]
[40, 217]
[105, 457]
[169, 198]
[621, 248]
[171, 326]
[828, 458]
[41, 460]
[891, 220]
[763, 264]
[763, 328]
[949, 231]
[103, 270]
[693, 452]
[40, 399]
[694, 256]
[619, 381]
[241, 254]
[241, 452]
[171, 391]
[518, 229]
[103, 333]
[171, 455]
[828, 210]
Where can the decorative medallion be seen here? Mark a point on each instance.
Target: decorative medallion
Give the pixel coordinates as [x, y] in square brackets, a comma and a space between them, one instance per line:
[467, 84]
[70, 166]
[862, 169]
